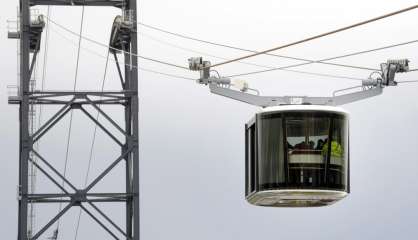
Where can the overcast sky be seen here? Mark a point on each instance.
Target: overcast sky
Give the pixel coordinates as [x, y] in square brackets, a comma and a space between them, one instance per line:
[192, 142]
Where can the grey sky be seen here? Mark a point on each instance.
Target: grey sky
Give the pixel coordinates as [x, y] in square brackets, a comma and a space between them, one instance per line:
[192, 142]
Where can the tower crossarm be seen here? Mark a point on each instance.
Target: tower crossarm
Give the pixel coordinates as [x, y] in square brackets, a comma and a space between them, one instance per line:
[103, 3]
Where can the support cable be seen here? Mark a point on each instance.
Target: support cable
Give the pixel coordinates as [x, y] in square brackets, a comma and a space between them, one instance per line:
[240, 49]
[139, 68]
[412, 81]
[71, 114]
[327, 59]
[165, 74]
[259, 65]
[319, 35]
[92, 145]
[271, 69]
[187, 78]
[107, 46]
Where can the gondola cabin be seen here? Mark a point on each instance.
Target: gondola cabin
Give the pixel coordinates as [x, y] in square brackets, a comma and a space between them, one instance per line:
[297, 156]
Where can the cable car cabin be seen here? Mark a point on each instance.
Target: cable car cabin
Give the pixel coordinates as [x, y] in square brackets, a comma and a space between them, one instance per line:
[297, 156]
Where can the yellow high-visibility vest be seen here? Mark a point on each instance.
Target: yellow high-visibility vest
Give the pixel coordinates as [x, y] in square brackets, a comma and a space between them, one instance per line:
[336, 149]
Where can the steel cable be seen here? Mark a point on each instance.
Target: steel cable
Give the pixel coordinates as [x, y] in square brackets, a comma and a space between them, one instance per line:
[247, 50]
[412, 81]
[71, 113]
[92, 145]
[319, 35]
[107, 46]
[327, 59]
[249, 63]
[139, 68]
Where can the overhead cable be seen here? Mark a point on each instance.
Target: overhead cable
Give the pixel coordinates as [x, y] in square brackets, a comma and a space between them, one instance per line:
[323, 75]
[92, 145]
[165, 74]
[247, 50]
[327, 59]
[188, 78]
[247, 63]
[412, 81]
[107, 46]
[71, 113]
[139, 68]
[319, 35]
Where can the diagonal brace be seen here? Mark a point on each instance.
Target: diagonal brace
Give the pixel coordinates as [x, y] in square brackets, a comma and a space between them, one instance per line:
[101, 126]
[51, 125]
[107, 218]
[51, 120]
[107, 117]
[105, 172]
[119, 70]
[49, 176]
[99, 222]
[52, 221]
[54, 170]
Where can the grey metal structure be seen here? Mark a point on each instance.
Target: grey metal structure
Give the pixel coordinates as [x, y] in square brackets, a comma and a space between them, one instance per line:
[369, 88]
[73, 196]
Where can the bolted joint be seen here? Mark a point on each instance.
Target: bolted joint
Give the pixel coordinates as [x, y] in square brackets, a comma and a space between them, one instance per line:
[130, 142]
[75, 105]
[27, 143]
[78, 197]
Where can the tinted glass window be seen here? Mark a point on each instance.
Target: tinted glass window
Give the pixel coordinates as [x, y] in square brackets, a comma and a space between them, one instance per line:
[271, 168]
[338, 151]
[299, 150]
[250, 159]
[307, 135]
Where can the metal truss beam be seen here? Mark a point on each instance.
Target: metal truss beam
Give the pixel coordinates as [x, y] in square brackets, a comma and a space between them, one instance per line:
[98, 3]
[79, 196]
[56, 97]
[54, 170]
[72, 100]
[24, 139]
[101, 127]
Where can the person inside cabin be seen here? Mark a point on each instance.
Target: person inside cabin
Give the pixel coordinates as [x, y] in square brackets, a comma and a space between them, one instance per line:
[305, 146]
[311, 145]
[320, 144]
[300, 145]
[336, 149]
